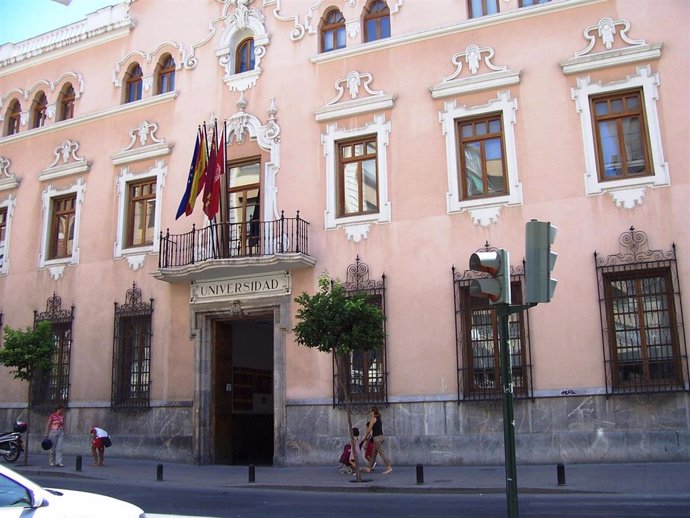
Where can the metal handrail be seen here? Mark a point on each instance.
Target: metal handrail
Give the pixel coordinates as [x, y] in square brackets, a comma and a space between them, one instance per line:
[223, 240]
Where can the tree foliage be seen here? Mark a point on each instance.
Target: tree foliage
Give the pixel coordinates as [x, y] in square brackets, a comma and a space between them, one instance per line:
[335, 321]
[27, 351]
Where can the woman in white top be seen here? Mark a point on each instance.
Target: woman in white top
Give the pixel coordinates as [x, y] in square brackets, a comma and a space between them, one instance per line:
[98, 437]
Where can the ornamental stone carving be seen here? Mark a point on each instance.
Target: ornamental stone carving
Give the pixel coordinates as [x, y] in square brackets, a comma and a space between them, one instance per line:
[356, 84]
[149, 145]
[481, 74]
[604, 50]
[242, 124]
[66, 162]
[7, 179]
[310, 24]
[244, 22]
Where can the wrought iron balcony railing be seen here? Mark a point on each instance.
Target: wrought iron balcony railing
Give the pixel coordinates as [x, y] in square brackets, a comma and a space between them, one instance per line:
[234, 240]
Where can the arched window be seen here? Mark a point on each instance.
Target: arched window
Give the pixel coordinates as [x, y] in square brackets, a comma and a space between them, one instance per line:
[133, 84]
[166, 74]
[13, 118]
[38, 110]
[244, 56]
[377, 22]
[66, 102]
[333, 31]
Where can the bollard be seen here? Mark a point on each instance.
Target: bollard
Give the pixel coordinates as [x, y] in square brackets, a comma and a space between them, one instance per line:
[251, 473]
[560, 473]
[159, 472]
[420, 474]
[78, 466]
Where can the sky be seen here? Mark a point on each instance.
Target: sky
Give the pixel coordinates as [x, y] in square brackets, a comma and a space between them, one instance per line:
[23, 19]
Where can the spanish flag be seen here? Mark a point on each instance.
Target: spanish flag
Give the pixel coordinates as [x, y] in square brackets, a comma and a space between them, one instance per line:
[198, 179]
[190, 178]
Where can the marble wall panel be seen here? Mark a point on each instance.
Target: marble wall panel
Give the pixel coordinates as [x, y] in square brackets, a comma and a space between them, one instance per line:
[561, 429]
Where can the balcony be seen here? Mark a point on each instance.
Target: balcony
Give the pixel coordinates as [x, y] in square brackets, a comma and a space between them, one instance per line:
[226, 250]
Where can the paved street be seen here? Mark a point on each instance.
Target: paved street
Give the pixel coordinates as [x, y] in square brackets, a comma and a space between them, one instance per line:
[606, 490]
[641, 478]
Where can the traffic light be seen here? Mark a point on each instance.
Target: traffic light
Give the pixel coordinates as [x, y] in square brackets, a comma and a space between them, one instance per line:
[496, 287]
[539, 261]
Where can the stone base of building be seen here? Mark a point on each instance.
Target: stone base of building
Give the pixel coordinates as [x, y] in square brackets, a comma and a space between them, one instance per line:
[569, 429]
[161, 433]
[573, 429]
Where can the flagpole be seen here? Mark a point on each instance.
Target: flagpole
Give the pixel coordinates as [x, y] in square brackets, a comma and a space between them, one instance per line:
[223, 192]
[214, 226]
[223, 171]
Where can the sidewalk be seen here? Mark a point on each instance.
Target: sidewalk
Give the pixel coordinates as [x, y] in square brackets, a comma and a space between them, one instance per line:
[642, 478]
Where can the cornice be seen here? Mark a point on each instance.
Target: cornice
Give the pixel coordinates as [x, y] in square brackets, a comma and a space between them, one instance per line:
[97, 28]
[134, 155]
[611, 58]
[355, 107]
[465, 85]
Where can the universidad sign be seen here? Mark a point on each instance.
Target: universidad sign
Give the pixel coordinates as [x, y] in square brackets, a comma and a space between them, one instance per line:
[240, 288]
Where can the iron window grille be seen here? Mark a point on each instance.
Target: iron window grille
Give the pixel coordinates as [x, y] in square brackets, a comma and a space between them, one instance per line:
[50, 388]
[364, 372]
[132, 352]
[641, 314]
[477, 341]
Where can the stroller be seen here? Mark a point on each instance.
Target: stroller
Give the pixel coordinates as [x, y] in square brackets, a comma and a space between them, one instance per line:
[347, 465]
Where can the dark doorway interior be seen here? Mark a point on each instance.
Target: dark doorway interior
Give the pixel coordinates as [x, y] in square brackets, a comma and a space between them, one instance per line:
[243, 392]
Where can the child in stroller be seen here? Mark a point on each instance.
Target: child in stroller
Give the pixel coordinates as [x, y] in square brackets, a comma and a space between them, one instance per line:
[347, 457]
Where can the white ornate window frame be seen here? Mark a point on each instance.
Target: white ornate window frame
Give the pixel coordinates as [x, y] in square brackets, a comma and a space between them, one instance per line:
[57, 266]
[137, 254]
[245, 22]
[52, 90]
[627, 192]
[148, 61]
[483, 211]
[242, 125]
[7, 204]
[356, 227]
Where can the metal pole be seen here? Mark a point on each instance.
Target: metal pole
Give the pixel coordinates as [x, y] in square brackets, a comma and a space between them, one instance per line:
[502, 313]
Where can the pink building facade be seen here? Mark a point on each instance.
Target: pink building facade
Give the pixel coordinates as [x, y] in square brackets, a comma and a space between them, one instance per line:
[377, 142]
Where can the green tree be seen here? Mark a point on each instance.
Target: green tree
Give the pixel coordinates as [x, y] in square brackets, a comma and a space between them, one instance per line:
[337, 322]
[27, 352]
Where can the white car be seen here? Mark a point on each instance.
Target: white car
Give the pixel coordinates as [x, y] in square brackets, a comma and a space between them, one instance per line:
[21, 498]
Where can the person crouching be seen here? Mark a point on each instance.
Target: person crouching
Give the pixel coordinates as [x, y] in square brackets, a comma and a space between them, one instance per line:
[98, 441]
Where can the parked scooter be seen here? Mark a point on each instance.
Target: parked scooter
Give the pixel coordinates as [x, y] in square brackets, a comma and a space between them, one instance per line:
[11, 444]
